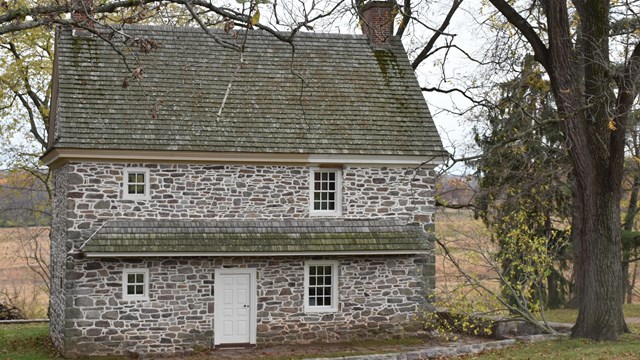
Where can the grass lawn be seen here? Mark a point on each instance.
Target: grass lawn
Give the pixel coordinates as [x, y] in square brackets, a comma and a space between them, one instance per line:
[627, 348]
[570, 315]
[26, 342]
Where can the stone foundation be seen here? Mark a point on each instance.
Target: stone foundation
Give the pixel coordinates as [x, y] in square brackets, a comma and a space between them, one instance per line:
[379, 297]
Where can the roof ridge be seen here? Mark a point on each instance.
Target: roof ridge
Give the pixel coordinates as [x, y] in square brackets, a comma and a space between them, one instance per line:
[197, 29]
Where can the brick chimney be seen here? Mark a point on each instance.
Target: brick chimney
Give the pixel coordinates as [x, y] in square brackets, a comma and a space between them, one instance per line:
[82, 13]
[377, 22]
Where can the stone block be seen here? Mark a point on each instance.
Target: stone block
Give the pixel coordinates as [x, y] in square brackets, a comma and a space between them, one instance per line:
[110, 315]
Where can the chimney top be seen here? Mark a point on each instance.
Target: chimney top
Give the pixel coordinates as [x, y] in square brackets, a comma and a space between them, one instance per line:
[377, 22]
[82, 13]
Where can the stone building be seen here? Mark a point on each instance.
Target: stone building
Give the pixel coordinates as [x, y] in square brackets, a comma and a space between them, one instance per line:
[201, 200]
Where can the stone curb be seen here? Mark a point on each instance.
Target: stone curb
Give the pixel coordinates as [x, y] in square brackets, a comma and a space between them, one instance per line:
[449, 351]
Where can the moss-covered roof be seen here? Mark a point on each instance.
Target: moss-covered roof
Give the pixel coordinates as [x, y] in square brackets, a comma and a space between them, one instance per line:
[257, 237]
[163, 87]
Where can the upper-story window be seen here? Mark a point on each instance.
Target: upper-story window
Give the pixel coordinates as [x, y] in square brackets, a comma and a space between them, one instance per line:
[136, 183]
[326, 192]
[135, 284]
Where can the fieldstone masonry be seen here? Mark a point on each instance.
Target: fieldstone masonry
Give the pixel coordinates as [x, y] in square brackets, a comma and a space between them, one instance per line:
[379, 295]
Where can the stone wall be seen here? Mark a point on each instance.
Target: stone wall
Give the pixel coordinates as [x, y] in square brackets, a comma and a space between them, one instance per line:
[86, 309]
[58, 256]
[196, 191]
[379, 296]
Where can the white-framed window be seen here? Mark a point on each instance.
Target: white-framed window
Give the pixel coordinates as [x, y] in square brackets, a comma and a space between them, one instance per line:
[135, 284]
[136, 184]
[321, 286]
[325, 192]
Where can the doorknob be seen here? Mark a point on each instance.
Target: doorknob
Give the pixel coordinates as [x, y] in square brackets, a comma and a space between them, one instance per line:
[246, 306]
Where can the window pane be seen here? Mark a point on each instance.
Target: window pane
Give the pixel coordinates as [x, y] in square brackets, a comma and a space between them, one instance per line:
[312, 291]
[131, 177]
[321, 281]
[131, 278]
[139, 290]
[312, 270]
[130, 289]
[131, 189]
[139, 278]
[327, 270]
[320, 301]
[320, 270]
[327, 301]
[312, 281]
[140, 178]
[140, 189]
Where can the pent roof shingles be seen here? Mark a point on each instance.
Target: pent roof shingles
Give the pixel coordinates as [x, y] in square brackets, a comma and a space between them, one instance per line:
[324, 94]
[257, 236]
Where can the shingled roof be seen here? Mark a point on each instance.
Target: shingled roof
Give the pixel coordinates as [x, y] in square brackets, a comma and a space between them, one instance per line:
[260, 238]
[326, 94]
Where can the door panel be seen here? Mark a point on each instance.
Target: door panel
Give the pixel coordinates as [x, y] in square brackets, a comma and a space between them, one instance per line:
[235, 312]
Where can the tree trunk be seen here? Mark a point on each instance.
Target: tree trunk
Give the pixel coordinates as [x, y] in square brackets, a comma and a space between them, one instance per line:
[580, 82]
[633, 282]
[632, 209]
[597, 278]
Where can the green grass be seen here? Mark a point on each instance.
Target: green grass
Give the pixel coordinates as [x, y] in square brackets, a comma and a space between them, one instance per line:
[570, 315]
[26, 342]
[627, 348]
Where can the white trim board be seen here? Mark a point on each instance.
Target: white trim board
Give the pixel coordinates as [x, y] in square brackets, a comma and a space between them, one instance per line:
[66, 154]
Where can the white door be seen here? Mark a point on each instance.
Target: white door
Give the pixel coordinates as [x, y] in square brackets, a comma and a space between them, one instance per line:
[235, 306]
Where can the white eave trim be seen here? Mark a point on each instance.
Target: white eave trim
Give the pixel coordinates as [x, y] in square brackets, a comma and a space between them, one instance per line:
[256, 254]
[376, 159]
[65, 154]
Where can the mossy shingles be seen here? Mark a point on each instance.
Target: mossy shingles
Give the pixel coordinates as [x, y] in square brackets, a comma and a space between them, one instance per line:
[331, 97]
[258, 236]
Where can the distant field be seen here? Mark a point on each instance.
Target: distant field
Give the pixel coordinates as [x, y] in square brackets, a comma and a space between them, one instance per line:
[22, 286]
[469, 240]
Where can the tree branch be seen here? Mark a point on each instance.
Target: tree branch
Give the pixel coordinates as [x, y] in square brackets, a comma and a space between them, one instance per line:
[541, 53]
[445, 23]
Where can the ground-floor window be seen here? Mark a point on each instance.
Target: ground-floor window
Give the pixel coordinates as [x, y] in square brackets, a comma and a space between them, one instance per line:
[321, 286]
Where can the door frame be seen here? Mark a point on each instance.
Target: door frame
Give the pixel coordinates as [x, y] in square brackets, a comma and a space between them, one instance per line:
[253, 305]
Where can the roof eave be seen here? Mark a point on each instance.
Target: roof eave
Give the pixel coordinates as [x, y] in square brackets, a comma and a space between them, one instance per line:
[58, 155]
[254, 254]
